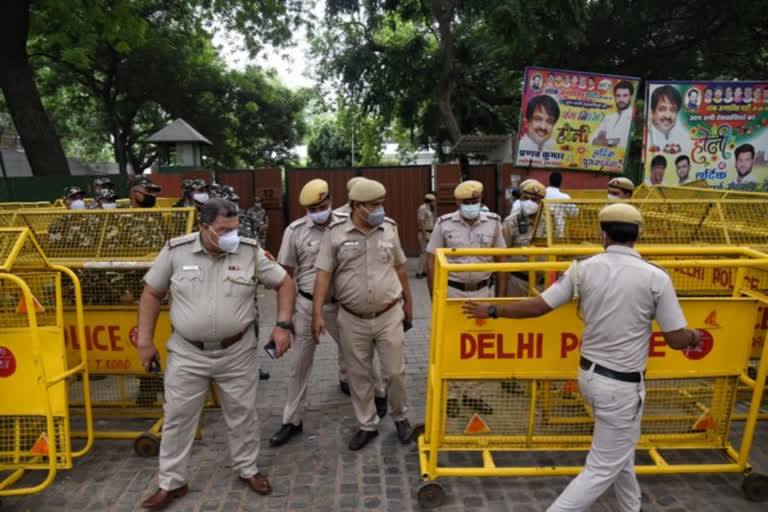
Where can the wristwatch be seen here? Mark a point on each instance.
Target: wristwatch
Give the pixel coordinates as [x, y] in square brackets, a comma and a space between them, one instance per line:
[285, 325]
[492, 311]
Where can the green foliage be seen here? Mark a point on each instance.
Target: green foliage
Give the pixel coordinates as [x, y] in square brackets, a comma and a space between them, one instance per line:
[329, 148]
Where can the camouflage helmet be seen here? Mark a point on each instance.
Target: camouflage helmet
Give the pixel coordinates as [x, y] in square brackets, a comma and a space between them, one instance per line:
[216, 190]
[103, 182]
[106, 195]
[143, 181]
[70, 191]
[188, 185]
[228, 193]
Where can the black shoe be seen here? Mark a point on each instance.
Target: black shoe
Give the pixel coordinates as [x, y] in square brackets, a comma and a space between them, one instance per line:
[381, 405]
[344, 387]
[286, 432]
[452, 408]
[403, 428]
[361, 438]
[477, 405]
[263, 375]
[420, 275]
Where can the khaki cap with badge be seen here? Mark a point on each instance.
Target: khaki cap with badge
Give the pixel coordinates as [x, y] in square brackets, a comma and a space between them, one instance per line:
[470, 189]
[622, 183]
[352, 181]
[313, 193]
[367, 190]
[534, 188]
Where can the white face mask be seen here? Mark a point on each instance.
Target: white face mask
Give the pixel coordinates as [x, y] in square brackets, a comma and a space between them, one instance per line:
[200, 197]
[470, 211]
[320, 217]
[228, 242]
[77, 204]
[612, 197]
[109, 206]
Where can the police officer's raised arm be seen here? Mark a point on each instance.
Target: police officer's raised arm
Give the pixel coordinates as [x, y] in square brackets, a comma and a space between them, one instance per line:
[156, 283]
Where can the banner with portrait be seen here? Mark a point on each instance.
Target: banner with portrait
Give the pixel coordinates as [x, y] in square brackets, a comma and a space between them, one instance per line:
[717, 131]
[575, 120]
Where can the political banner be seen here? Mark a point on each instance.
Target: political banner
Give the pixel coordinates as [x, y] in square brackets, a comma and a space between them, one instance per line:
[717, 131]
[575, 120]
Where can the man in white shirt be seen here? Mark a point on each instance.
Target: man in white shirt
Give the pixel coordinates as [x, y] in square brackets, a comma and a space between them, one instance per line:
[541, 114]
[614, 130]
[560, 210]
[664, 132]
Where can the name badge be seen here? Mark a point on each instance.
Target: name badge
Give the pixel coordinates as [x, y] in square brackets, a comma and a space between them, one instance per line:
[350, 244]
[384, 244]
[313, 243]
[190, 267]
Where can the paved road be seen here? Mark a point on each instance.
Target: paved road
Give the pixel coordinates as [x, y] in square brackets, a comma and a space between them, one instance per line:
[316, 471]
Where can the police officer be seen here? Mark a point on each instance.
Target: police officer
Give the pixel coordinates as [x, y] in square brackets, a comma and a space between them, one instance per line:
[516, 202]
[620, 295]
[362, 258]
[195, 193]
[620, 188]
[99, 185]
[105, 199]
[298, 251]
[467, 227]
[212, 275]
[73, 198]
[517, 229]
[345, 209]
[425, 221]
[142, 193]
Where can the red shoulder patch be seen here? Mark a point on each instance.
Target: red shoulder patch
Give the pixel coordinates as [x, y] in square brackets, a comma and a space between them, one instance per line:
[269, 255]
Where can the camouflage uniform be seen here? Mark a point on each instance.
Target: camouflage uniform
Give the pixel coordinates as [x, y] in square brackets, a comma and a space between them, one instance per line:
[188, 187]
[259, 221]
[71, 235]
[105, 184]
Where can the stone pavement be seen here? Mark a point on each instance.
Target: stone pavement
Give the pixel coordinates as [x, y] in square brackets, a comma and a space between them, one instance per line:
[317, 472]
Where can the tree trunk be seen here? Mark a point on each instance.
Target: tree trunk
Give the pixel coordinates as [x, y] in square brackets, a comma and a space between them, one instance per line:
[444, 12]
[38, 136]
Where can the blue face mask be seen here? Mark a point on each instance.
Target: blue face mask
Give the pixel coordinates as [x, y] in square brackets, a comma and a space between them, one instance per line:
[320, 217]
[470, 211]
[375, 217]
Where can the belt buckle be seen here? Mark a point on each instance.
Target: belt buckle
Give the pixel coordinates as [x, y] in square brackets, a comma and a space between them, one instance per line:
[471, 287]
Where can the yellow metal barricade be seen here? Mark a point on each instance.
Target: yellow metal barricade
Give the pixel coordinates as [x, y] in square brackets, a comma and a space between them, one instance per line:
[24, 205]
[35, 372]
[524, 371]
[111, 250]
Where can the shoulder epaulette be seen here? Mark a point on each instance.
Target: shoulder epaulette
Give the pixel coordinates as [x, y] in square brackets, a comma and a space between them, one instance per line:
[445, 216]
[249, 241]
[181, 240]
[338, 223]
[391, 221]
[297, 223]
[492, 215]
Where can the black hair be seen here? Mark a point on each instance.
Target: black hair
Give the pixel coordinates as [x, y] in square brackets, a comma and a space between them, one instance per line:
[555, 179]
[680, 159]
[670, 93]
[693, 91]
[659, 161]
[216, 207]
[744, 148]
[624, 84]
[542, 101]
[621, 232]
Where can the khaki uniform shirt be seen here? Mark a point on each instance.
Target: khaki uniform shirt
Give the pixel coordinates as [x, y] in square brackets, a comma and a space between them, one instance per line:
[511, 231]
[301, 243]
[425, 217]
[452, 231]
[620, 295]
[212, 299]
[344, 209]
[363, 264]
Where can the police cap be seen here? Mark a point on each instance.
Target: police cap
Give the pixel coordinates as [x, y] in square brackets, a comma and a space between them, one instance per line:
[367, 190]
[621, 212]
[70, 191]
[534, 188]
[314, 192]
[143, 181]
[622, 183]
[469, 189]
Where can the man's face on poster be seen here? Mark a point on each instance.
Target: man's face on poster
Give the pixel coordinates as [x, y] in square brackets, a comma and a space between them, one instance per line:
[664, 116]
[728, 93]
[757, 95]
[708, 95]
[683, 168]
[744, 163]
[718, 94]
[536, 81]
[622, 97]
[540, 126]
[657, 174]
[747, 93]
[693, 96]
[737, 94]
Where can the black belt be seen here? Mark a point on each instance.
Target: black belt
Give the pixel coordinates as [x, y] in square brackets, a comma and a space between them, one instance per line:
[586, 364]
[469, 287]
[370, 316]
[309, 296]
[225, 343]
[520, 275]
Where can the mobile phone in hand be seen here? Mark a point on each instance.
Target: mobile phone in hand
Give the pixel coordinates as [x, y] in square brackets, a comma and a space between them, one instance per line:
[154, 365]
[271, 349]
[407, 325]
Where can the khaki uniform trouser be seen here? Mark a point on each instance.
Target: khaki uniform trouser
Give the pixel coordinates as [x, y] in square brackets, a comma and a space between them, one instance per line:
[470, 388]
[303, 350]
[188, 373]
[516, 287]
[359, 339]
[423, 240]
[618, 411]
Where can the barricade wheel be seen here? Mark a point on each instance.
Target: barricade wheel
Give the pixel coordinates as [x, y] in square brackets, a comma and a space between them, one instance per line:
[430, 495]
[755, 487]
[416, 431]
[147, 445]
